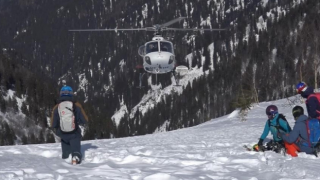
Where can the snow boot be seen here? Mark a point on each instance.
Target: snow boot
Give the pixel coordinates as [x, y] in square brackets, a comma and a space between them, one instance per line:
[75, 160]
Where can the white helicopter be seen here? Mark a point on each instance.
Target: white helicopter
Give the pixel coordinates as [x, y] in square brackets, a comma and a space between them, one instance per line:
[158, 54]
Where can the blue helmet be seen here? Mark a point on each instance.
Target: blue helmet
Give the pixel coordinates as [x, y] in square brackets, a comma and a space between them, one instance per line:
[301, 87]
[66, 91]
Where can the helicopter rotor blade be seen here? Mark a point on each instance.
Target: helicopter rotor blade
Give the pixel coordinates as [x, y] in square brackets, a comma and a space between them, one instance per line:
[172, 21]
[193, 29]
[150, 29]
[129, 29]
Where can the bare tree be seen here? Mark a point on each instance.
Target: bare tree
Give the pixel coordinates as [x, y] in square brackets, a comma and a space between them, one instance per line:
[310, 36]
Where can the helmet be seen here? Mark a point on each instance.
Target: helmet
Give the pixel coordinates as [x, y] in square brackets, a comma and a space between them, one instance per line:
[297, 111]
[301, 87]
[66, 91]
[271, 111]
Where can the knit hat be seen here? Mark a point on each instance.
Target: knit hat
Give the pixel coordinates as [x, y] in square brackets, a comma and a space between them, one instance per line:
[66, 91]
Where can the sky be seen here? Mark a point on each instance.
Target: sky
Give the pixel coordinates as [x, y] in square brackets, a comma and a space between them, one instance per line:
[209, 151]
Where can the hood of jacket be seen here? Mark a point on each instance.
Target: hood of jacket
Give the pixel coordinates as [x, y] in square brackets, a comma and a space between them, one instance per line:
[307, 92]
[302, 118]
[65, 98]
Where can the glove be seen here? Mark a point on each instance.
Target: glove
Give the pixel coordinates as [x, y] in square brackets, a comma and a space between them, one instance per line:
[257, 148]
[260, 142]
[279, 135]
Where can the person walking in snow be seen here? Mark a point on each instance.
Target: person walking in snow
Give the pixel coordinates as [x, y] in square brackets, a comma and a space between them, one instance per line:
[276, 122]
[313, 99]
[66, 117]
[297, 139]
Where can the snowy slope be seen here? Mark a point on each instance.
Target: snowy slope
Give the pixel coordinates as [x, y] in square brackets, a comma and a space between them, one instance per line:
[212, 150]
[154, 95]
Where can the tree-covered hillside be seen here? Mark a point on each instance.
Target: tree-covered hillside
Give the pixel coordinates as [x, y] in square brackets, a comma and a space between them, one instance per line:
[268, 47]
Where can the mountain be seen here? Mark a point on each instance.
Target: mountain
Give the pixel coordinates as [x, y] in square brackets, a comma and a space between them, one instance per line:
[269, 46]
[26, 101]
[212, 150]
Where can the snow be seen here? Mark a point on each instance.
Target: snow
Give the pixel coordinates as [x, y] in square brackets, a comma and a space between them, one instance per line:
[83, 83]
[261, 24]
[163, 127]
[156, 93]
[211, 52]
[264, 3]
[212, 150]
[119, 114]
[274, 55]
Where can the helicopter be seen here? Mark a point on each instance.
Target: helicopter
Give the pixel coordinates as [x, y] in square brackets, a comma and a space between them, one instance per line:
[158, 54]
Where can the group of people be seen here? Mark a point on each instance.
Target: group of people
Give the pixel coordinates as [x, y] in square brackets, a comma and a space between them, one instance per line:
[296, 139]
[67, 115]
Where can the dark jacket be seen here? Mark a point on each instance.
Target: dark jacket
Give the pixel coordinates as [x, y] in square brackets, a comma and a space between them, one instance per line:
[312, 103]
[80, 117]
[299, 135]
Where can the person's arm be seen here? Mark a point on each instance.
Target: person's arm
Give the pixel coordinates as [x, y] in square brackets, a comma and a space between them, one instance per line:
[55, 118]
[292, 136]
[265, 131]
[312, 104]
[82, 117]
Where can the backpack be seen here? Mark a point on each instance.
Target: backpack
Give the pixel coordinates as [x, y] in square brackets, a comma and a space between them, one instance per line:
[67, 118]
[313, 129]
[278, 124]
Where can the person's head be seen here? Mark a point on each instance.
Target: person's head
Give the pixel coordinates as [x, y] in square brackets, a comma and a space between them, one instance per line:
[304, 90]
[297, 111]
[271, 111]
[66, 91]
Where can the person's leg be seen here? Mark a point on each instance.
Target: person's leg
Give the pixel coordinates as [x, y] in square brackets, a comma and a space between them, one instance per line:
[270, 145]
[76, 148]
[292, 149]
[66, 149]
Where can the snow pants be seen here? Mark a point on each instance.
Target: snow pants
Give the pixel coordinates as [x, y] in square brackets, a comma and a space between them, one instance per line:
[71, 144]
[292, 149]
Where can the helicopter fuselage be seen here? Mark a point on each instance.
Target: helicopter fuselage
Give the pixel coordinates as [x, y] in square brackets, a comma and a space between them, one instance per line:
[159, 63]
[158, 56]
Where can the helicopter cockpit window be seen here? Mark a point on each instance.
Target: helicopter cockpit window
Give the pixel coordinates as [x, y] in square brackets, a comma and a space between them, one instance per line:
[166, 46]
[152, 47]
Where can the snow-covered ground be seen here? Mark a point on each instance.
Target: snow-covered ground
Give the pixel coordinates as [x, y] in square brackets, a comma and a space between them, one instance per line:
[212, 150]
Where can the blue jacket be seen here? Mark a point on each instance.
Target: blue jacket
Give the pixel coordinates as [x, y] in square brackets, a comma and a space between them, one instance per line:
[313, 105]
[80, 118]
[273, 122]
[299, 135]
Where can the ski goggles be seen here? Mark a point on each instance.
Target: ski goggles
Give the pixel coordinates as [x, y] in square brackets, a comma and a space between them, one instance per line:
[271, 114]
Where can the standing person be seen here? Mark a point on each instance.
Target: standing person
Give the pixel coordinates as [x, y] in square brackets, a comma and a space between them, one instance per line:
[297, 139]
[66, 117]
[276, 122]
[313, 99]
